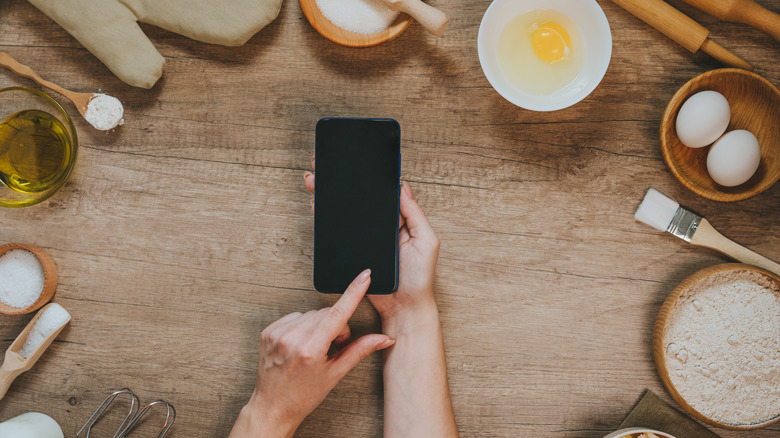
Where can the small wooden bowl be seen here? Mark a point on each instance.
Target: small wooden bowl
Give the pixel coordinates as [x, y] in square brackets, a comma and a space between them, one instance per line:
[755, 106]
[347, 38]
[49, 278]
[659, 353]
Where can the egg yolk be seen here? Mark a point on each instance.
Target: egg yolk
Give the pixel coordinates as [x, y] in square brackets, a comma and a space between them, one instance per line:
[551, 42]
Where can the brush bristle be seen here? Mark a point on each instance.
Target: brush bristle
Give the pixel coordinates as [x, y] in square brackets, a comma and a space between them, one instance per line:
[656, 210]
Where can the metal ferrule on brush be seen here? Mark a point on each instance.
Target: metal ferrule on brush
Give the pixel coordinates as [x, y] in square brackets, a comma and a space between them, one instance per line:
[684, 224]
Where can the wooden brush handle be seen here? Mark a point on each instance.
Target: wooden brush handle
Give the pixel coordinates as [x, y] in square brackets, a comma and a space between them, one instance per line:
[432, 19]
[741, 11]
[708, 237]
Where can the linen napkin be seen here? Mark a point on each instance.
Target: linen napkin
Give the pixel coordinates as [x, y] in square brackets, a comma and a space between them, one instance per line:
[654, 413]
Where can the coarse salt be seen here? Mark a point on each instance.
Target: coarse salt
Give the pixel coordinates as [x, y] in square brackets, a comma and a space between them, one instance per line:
[104, 112]
[21, 278]
[49, 321]
[722, 343]
[359, 16]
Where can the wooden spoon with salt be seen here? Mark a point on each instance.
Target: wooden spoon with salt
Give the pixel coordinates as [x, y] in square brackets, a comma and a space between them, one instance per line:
[81, 100]
[15, 363]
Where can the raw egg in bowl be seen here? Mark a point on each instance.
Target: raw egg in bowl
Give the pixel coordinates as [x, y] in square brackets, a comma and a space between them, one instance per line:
[544, 55]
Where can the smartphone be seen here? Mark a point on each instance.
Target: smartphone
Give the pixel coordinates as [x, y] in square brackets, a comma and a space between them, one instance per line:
[356, 203]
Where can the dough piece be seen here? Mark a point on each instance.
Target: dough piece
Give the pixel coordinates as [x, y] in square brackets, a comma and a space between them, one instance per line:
[109, 28]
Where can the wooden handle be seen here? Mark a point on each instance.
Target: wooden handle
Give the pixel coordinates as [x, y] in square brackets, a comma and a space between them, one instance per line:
[741, 11]
[17, 67]
[669, 21]
[432, 19]
[708, 237]
[723, 55]
[760, 17]
[12, 367]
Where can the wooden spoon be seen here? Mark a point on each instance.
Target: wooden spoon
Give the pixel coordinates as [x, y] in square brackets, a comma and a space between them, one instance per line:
[741, 11]
[432, 19]
[81, 100]
[15, 364]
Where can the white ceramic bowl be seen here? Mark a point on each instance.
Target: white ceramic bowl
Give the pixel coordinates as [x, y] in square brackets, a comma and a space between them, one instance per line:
[596, 35]
[635, 430]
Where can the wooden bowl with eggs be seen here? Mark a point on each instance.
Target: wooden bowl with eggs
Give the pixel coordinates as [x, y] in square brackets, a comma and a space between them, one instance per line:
[755, 107]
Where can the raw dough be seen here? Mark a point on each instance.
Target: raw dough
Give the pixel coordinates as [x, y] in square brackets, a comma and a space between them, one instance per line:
[109, 28]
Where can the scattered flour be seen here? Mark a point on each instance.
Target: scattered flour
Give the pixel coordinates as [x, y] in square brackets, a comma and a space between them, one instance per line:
[21, 278]
[359, 16]
[104, 112]
[50, 320]
[722, 342]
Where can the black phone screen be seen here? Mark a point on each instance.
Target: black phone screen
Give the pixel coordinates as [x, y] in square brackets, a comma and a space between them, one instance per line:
[356, 205]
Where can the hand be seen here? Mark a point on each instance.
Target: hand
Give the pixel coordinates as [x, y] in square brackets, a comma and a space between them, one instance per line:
[418, 249]
[295, 372]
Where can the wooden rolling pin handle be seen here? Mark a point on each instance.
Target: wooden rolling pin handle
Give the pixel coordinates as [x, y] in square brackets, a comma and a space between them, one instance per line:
[760, 17]
[725, 56]
[709, 237]
[432, 19]
[669, 21]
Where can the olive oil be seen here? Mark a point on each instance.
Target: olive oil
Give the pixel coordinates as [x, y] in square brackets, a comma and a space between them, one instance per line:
[35, 150]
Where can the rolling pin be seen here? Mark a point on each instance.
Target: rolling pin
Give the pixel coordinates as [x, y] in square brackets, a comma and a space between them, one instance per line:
[741, 11]
[682, 29]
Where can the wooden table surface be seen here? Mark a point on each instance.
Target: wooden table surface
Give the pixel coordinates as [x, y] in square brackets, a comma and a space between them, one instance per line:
[185, 232]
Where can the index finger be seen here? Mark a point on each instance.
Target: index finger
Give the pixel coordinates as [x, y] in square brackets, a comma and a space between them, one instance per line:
[339, 314]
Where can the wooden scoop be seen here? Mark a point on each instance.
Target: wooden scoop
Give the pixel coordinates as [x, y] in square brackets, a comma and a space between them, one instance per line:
[432, 19]
[81, 100]
[741, 11]
[682, 29]
[14, 363]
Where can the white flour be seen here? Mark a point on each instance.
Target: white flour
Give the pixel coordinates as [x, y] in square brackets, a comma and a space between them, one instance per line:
[104, 112]
[722, 344]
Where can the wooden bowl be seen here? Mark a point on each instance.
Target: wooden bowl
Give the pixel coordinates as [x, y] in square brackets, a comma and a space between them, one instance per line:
[347, 38]
[49, 278]
[659, 353]
[755, 106]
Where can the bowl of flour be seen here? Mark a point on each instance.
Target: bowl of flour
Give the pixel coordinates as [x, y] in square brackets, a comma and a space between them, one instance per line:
[716, 346]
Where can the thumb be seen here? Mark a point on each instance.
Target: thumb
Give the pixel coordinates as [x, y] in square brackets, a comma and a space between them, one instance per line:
[352, 354]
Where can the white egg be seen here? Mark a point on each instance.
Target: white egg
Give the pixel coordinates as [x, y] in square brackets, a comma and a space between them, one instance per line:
[702, 119]
[734, 158]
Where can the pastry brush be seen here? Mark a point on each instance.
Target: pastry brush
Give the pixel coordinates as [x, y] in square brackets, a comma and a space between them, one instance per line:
[665, 214]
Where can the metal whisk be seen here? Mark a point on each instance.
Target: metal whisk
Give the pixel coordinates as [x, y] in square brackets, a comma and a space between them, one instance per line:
[133, 415]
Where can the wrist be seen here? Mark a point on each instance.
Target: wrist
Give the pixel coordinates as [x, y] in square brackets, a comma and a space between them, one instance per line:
[255, 420]
[424, 316]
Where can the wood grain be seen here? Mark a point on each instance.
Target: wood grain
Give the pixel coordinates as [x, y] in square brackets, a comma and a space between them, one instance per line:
[185, 232]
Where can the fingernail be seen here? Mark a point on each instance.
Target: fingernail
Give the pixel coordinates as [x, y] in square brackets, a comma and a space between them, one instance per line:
[408, 190]
[363, 277]
[306, 175]
[312, 203]
[385, 344]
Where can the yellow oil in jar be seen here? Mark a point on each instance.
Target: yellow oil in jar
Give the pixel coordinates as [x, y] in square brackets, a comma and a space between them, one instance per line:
[35, 150]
